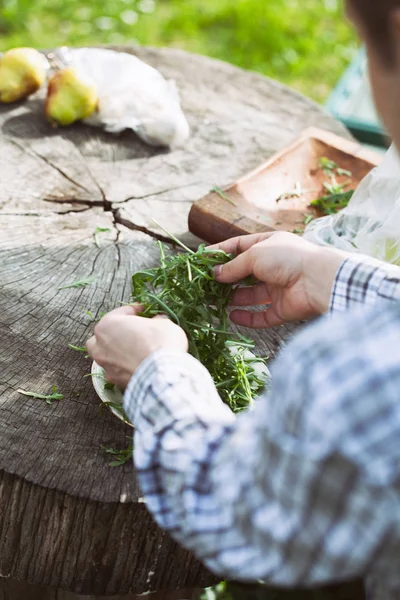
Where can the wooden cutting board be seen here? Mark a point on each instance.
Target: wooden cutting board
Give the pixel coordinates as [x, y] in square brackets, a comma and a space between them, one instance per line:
[277, 195]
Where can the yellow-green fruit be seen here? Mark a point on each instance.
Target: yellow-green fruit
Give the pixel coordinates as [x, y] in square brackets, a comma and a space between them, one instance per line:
[71, 96]
[22, 72]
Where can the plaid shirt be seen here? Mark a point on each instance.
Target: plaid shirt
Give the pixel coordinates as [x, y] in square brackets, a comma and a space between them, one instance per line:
[304, 488]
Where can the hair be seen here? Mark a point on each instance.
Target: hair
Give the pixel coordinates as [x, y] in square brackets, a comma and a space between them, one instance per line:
[375, 16]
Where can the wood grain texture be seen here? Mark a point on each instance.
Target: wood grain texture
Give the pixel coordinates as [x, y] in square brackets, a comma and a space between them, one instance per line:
[67, 519]
[11, 589]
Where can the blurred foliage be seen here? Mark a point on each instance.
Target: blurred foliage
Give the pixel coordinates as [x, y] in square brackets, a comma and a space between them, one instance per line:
[304, 44]
[348, 590]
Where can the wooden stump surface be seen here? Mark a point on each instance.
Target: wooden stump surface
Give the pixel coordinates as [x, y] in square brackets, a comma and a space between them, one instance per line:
[66, 518]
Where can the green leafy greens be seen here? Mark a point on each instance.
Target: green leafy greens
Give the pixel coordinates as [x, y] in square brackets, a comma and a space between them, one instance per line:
[97, 232]
[337, 197]
[184, 287]
[308, 219]
[217, 190]
[333, 202]
[120, 456]
[78, 284]
[109, 386]
[49, 398]
[116, 407]
[330, 167]
[77, 348]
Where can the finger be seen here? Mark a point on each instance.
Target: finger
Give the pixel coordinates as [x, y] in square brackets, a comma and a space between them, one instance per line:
[251, 296]
[109, 376]
[91, 346]
[236, 269]
[256, 320]
[240, 244]
[126, 310]
[162, 316]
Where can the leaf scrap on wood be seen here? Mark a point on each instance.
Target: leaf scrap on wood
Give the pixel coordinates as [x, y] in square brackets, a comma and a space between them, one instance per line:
[49, 398]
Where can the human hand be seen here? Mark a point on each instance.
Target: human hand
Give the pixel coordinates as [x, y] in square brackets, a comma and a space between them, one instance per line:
[122, 341]
[296, 277]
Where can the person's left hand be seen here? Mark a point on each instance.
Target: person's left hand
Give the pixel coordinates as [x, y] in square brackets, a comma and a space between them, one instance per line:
[122, 341]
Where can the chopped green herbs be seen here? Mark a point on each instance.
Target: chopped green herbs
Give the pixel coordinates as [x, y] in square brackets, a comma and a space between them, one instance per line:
[97, 232]
[332, 203]
[332, 168]
[299, 231]
[116, 407]
[221, 194]
[120, 456]
[296, 192]
[49, 398]
[333, 187]
[338, 197]
[91, 316]
[329, 166]
[77, 348]
[78, 284]
[184, 287]
[308, 219]
[344, 172]
[107, 384]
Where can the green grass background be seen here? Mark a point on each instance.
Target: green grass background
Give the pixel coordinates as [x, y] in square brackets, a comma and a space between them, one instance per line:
[304, 43]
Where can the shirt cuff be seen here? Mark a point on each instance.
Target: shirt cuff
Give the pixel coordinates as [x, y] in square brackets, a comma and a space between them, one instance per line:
[169, 386]
[364, 280]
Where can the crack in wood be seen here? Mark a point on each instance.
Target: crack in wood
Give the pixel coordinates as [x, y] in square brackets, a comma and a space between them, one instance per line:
[92, 177]
[142, 228]
[161, 192]
[73, 200]
[36, 154]
[45, 214]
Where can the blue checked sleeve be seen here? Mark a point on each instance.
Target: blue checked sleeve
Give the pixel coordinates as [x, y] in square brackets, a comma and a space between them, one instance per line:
[301, 490]
[363, 280]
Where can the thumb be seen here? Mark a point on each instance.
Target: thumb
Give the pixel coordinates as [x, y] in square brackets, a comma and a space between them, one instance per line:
[235, 270]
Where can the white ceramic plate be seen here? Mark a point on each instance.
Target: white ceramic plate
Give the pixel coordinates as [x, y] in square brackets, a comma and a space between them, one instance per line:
[113, 399]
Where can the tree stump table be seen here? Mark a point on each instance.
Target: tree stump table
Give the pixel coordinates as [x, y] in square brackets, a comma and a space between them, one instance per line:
[67, 519]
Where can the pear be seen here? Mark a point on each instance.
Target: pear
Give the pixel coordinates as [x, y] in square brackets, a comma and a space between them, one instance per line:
[72, 95]
[22, 72]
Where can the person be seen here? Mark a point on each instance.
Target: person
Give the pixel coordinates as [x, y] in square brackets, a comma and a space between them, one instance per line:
[305, 488]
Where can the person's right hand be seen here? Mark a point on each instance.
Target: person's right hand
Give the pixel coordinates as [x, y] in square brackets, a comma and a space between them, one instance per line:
[296, 277]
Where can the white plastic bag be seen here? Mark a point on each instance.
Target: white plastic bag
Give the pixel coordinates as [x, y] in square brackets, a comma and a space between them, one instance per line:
[370, 224]
[132, 95]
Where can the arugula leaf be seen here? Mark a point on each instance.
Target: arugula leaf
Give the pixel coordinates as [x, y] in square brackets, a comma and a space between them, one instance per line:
[296, 192]
[49, 398]
[329, 166]
[344, 172]
[77, 348]
[121, 456]
[185, 288]
[96, 234]
[332, 203]
[78, 284]
[308, 219]
[221, 194]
